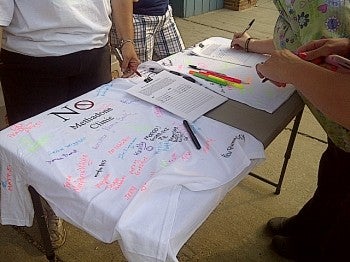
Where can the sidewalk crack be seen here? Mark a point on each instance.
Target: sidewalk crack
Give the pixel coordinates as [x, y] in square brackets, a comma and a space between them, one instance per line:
[308, 136]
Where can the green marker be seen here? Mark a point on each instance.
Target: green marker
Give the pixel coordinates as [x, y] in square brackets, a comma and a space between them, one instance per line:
[210, 78]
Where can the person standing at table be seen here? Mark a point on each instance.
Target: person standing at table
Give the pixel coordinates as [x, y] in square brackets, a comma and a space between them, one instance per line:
[156, 35]
[54, 51]
[320, 230]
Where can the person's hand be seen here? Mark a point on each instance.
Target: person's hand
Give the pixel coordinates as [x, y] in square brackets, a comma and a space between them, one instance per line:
[130, 60]
[239, 40]
[321, 48]
[276, 68]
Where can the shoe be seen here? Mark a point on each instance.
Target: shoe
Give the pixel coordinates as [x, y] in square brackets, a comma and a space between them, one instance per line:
[286, 247]
[278, 226]
[55, 226]
[57, 231]
[298, 249]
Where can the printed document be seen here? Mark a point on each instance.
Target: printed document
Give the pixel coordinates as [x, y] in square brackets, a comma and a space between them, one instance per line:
[221, 51]
[177, 95]
[263, 96]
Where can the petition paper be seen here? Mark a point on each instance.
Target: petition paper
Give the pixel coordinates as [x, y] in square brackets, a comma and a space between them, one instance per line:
[177, 95]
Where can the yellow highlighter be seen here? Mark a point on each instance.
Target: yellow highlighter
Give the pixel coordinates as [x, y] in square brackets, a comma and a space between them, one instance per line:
[209, 78]
[236, 85]
[217, 80]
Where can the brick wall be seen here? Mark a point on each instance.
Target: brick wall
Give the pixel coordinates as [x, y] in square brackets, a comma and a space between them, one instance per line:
[239, 4]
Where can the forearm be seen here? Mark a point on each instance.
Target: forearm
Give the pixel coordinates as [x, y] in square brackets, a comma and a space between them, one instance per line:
[265, 46]
[122, 16]
[123, 19]
[327, 90]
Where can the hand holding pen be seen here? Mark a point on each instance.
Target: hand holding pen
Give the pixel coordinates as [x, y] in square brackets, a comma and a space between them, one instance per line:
[128, 60]
[277, 69]
[322, 52]
[240, 39]
[323, 48]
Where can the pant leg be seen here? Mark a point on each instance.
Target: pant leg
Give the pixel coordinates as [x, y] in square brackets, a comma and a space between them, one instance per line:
[143, 38]
[144, 32]
[32, 85]
[168, 40]
[95, 70]
[326, 213]
[334, 242]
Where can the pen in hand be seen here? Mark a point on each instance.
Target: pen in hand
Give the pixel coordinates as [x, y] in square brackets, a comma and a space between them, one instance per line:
[239, 35]
[248, 27]
[193, 137]
[121, 59]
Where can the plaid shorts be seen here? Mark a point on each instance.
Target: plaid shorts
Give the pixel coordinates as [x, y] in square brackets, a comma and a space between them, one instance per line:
[155, 37]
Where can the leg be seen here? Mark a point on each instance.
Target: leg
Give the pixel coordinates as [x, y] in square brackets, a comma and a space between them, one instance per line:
[332, 187]
[326, 213]
[335, 243]
[144, 30]
[28, 89]
[32, 85]
[50, 254]
[168, 40]
[95, 70]
[54, 225]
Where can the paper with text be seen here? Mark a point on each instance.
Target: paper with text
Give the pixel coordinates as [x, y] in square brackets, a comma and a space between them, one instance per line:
[221, 50]
[263, 96]
[177, 95]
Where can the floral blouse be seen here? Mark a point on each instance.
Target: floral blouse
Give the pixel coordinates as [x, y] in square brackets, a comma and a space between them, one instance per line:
[301, 21]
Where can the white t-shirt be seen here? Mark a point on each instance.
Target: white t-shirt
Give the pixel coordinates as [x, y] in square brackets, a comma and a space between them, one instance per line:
[54, 27]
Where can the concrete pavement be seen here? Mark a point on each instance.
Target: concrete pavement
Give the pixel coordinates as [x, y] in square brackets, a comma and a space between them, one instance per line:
[235, 230]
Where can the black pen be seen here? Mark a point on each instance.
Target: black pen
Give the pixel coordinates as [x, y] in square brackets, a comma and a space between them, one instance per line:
[193, 137]
[249, 26]
[188, 78]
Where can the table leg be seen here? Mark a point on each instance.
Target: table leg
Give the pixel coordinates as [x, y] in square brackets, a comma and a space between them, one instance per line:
[44, 232]
[286, 155]
[289, 149]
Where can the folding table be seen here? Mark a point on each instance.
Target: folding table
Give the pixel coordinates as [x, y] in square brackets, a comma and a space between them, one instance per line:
[264, 126]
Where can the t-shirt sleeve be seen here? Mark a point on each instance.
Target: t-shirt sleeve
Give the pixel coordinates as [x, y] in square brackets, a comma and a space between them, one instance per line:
[6, 12]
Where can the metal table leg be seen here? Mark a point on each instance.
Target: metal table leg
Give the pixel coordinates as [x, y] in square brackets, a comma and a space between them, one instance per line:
[289, 149]
[44, 232]
[286, 155]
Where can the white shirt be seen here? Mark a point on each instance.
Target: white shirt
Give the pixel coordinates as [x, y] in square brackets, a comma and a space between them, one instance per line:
[54, 27]
[121, 168]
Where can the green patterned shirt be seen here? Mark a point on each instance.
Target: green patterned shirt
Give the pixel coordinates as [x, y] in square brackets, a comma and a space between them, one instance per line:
[301, 21]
